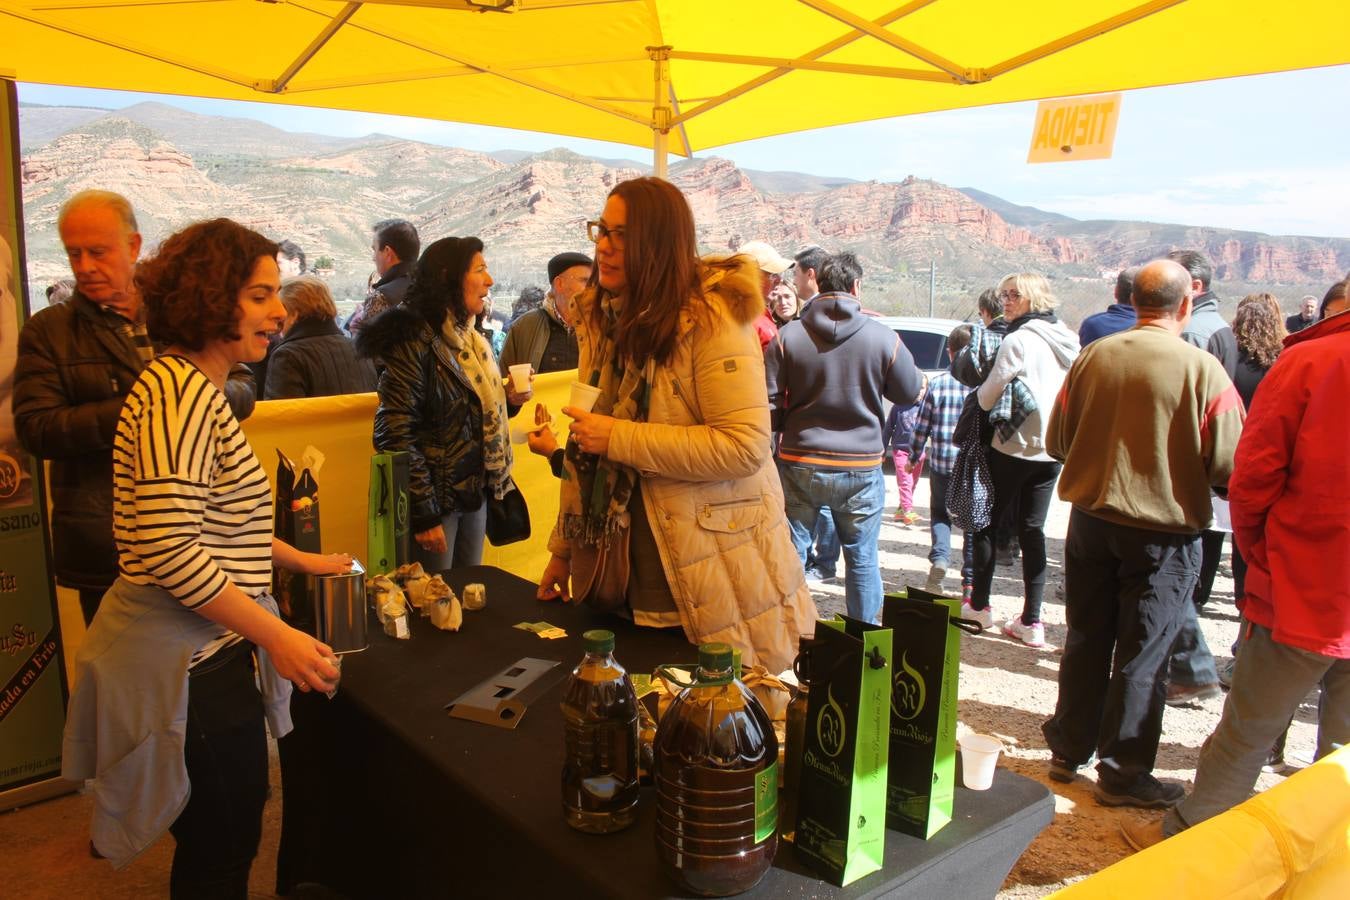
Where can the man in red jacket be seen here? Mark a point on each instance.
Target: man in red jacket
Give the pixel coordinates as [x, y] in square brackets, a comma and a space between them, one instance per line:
[1290, 499]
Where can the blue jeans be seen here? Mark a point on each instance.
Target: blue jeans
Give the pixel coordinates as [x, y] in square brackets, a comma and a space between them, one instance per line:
[464, 534]
[941, 529]
[824, 553]
[855, 500]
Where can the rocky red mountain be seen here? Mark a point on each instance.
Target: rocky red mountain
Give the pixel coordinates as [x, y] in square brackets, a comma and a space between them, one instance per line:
[324, 192]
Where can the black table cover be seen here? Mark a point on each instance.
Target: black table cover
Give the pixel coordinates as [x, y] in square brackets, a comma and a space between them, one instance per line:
[426, 805]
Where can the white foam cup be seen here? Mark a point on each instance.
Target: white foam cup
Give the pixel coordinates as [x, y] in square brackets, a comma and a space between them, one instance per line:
[979, 756]
[583, 396]
[520, 377]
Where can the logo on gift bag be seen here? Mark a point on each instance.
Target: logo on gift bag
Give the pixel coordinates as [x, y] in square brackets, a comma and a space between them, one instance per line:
[908, 691]
[11, 476]
[830, 727]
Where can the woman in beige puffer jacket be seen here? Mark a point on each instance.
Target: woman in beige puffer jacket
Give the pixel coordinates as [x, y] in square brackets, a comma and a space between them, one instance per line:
[683, 415]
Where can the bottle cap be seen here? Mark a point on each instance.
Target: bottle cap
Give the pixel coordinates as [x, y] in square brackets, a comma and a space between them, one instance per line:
[599, 641]
[714, 657]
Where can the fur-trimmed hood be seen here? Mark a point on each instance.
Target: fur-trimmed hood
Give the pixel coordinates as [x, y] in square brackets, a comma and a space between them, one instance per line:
[730, 283]
[388, 330]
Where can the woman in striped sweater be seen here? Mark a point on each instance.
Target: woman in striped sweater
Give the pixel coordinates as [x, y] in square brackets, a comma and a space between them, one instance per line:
[167, 709]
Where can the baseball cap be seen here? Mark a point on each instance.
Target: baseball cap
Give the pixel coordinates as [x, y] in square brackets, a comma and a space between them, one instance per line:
[766, 257]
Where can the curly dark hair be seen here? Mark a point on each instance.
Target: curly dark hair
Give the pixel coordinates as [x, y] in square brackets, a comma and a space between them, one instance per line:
[1259, 329]
[191, 284]
[437, 287]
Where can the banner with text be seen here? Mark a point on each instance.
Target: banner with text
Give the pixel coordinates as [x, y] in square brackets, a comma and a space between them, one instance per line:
[32, 672]
[1074, 129]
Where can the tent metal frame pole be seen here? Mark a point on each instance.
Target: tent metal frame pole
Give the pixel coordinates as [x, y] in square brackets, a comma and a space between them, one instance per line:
[323, 37]
[879, 32]
[661, 111]
[1129, 17]
[823, 50]
[812, 65]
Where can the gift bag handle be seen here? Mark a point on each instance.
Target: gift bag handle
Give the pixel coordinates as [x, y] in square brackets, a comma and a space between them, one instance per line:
[666, 672]
[384, 490]
[969, 626]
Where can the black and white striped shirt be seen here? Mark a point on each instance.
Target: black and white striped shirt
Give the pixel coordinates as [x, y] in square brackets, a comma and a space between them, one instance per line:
[192, 508]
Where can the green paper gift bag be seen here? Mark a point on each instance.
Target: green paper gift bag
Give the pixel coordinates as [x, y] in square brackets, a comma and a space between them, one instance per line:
[927, 657]
[841, 810]
[387, 537]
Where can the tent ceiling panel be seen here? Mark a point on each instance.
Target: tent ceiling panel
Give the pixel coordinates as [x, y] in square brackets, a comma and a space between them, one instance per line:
[738, 69]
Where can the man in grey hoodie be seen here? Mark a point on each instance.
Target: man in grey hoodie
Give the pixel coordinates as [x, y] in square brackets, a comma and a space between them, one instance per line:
[827, 373]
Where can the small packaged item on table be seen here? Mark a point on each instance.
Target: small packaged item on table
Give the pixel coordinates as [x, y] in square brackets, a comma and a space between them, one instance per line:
[475, 596]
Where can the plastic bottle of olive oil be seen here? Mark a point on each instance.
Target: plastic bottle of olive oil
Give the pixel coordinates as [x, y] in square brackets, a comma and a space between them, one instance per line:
[600, 772]
[716, 777]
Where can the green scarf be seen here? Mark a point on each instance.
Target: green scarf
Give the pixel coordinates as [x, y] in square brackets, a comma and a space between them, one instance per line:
[596, 491]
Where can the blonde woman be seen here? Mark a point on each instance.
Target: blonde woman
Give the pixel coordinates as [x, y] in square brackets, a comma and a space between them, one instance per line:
[1019, 394]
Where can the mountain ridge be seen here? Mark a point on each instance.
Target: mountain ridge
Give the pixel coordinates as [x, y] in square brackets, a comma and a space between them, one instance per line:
[324, 192]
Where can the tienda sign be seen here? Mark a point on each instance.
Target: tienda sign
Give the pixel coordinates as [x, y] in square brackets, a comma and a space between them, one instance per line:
[1078, 128]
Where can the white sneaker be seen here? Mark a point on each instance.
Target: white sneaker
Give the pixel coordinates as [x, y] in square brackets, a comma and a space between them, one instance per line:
[984, 616]
[1032, 635]
[935, 576]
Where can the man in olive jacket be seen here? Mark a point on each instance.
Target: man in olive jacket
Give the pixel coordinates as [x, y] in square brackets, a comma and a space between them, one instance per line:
[1145, 424]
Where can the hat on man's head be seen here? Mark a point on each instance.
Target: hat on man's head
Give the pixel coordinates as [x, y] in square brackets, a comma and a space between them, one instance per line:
[564, 261]
[766, 257]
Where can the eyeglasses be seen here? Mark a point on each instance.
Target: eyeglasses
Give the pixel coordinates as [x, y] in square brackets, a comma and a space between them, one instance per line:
[597, 231]
[1009, 295]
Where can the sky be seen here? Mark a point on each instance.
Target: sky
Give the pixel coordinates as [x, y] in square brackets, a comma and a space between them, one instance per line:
[1267, 153]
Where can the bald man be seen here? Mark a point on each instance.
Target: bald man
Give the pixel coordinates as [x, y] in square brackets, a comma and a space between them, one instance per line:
[1145, 424]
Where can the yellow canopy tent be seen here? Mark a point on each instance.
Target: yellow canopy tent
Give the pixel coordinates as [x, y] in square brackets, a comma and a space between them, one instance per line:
[688, 74]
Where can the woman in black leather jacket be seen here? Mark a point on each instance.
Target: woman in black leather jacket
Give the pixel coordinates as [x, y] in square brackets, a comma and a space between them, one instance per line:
[442, 399]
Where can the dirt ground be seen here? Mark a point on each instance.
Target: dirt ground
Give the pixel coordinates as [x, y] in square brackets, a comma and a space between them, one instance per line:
[1008, 689]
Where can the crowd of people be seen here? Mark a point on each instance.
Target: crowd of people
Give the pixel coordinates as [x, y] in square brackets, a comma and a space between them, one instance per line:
[733, 455]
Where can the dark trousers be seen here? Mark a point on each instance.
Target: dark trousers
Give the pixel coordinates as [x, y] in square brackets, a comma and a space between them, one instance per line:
[1029, 484]
[218, 832]
[1126, 590]
[1192, 663]
[304, 817]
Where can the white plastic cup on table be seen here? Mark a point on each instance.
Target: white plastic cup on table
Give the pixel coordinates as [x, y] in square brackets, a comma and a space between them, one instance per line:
[584, 396]
[979, 756]
[520, 377]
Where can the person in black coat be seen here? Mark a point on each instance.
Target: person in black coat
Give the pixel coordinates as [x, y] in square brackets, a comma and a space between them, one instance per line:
[314, 358]
[443, 401]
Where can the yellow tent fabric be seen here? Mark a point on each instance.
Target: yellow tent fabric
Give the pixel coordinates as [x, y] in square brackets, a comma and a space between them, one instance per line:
[732, 71]
[1292, 842]
[340, 427]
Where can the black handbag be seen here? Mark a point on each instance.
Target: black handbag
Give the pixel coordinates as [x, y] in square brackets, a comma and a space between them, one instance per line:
[508, 519]
[970, 492]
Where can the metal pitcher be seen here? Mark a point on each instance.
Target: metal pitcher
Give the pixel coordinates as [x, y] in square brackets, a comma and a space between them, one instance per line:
[340, 609]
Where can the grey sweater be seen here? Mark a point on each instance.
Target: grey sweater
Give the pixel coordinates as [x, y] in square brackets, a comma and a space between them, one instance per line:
[827, 373]
[127, 720]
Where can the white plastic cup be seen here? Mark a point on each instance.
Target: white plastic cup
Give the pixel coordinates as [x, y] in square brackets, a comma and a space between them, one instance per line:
[584, 396]
[979, 756]
[520, 377]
